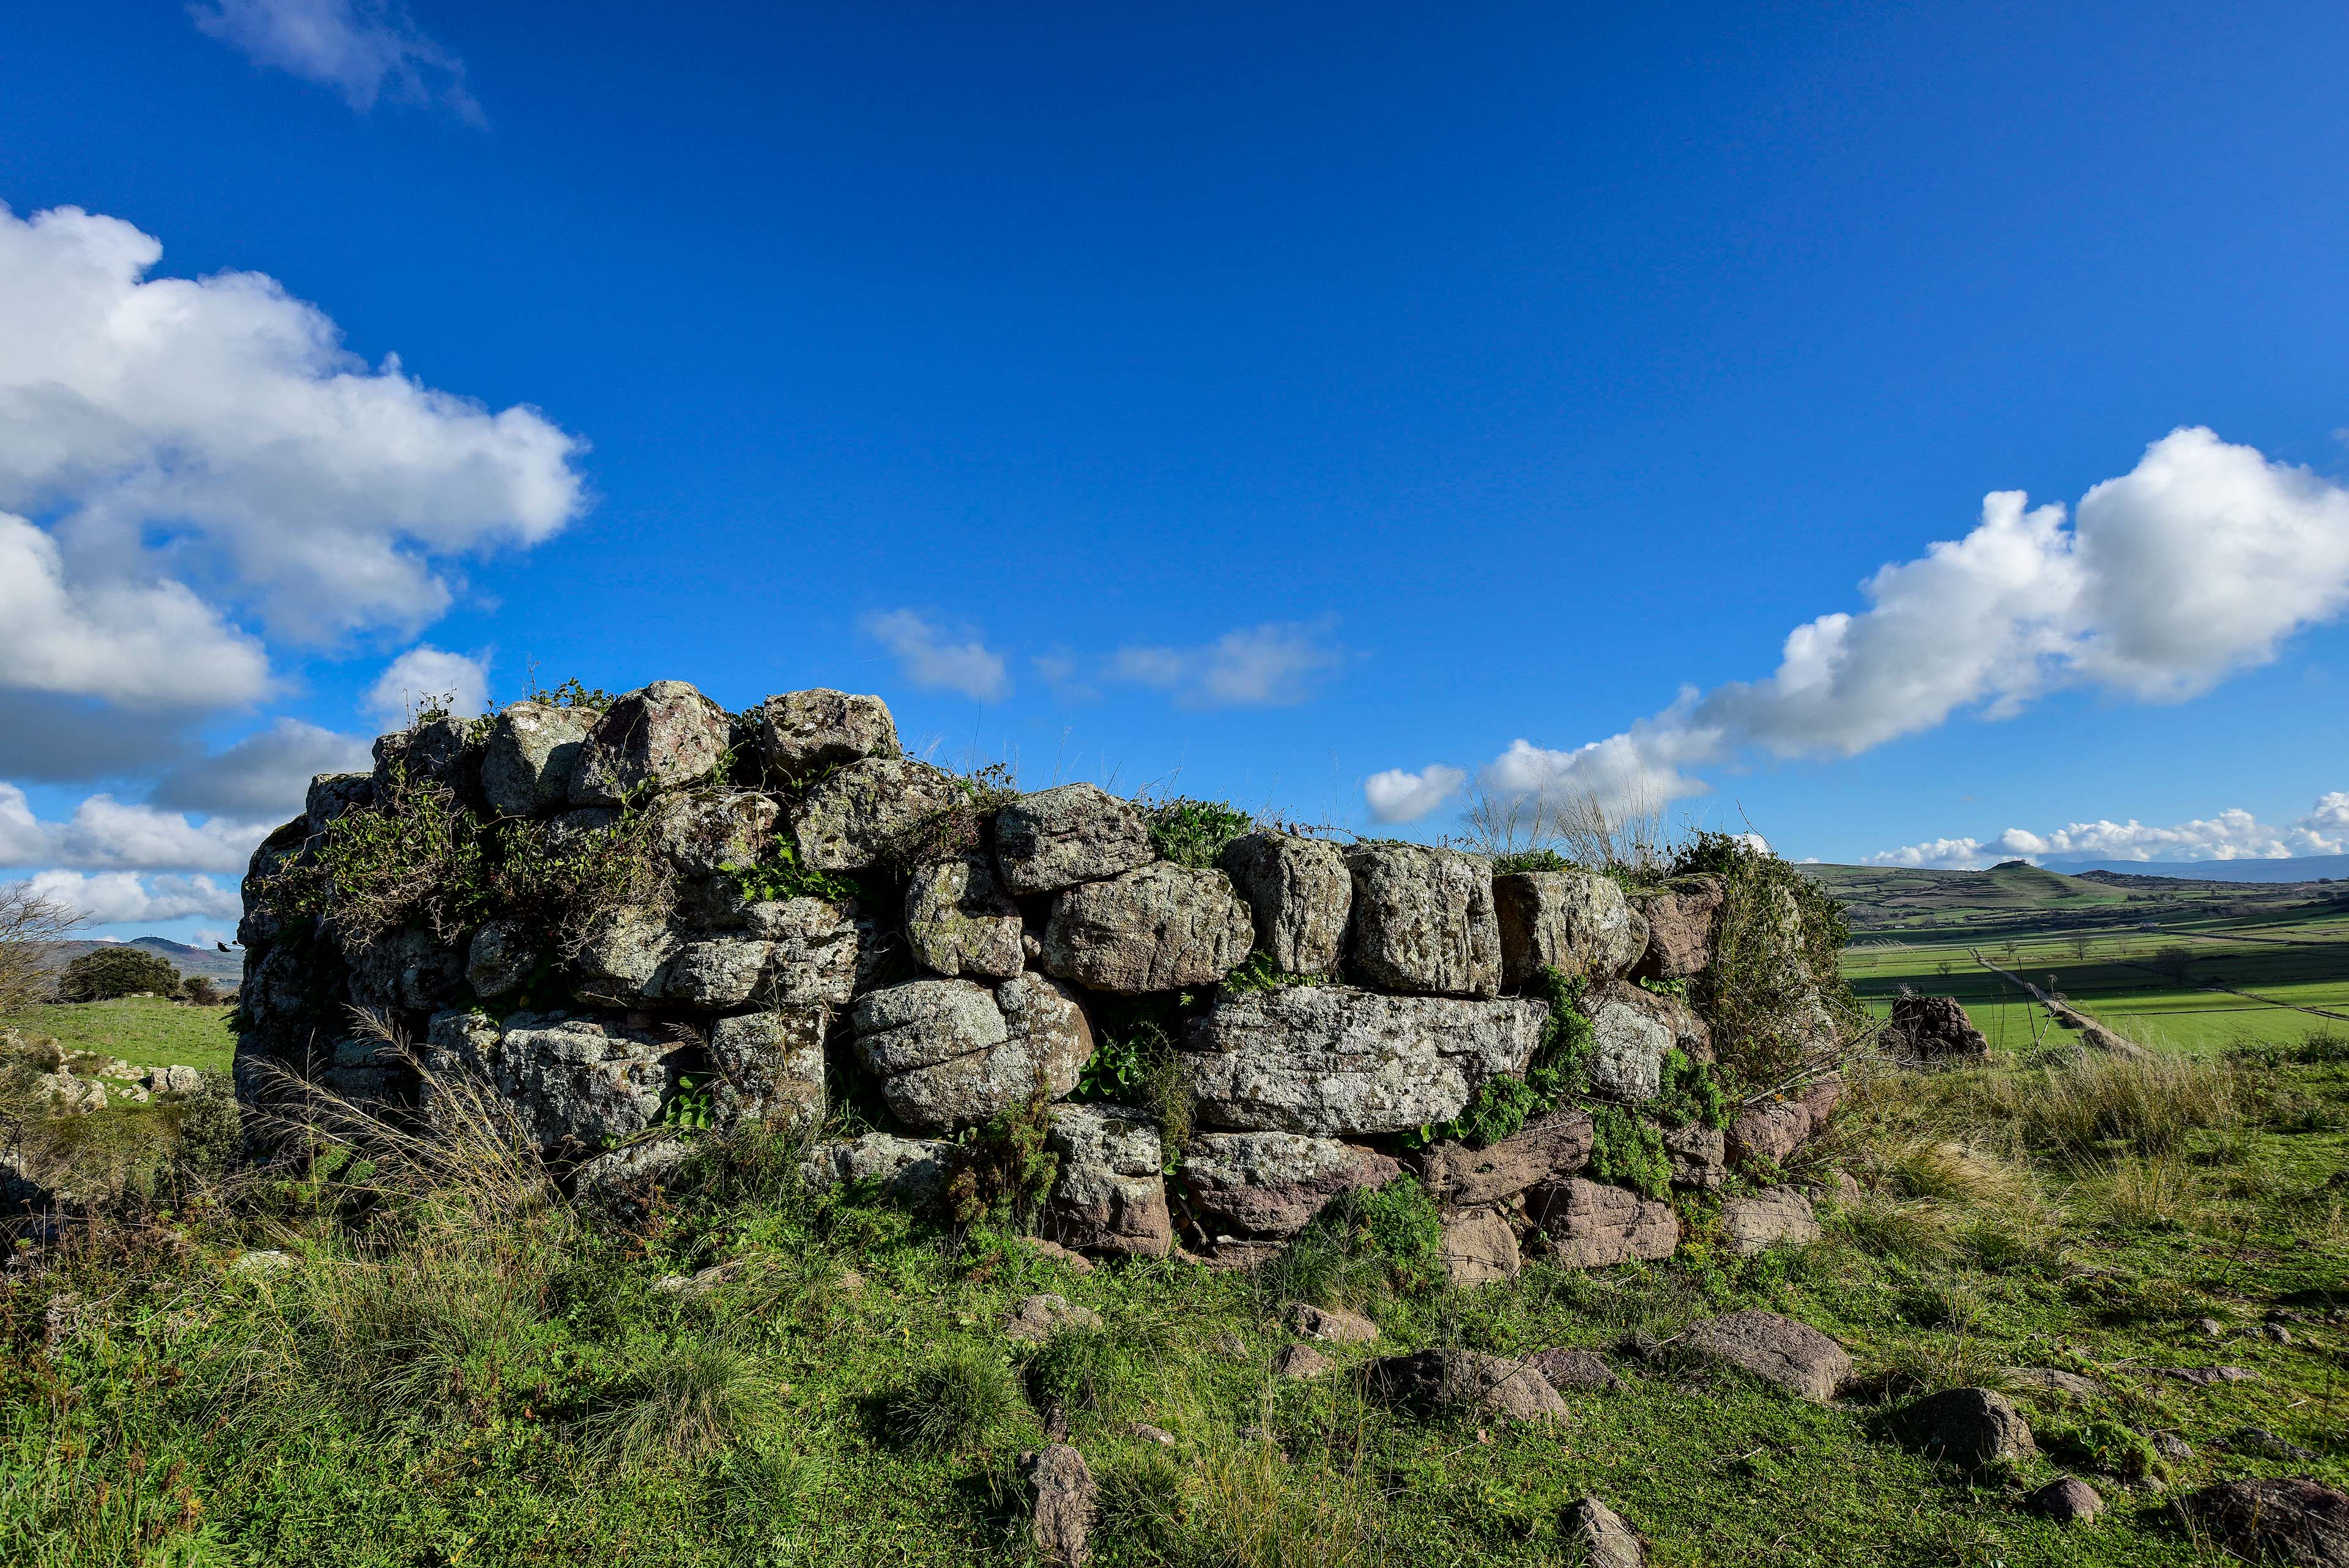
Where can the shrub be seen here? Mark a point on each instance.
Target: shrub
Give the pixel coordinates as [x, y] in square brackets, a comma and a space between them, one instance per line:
[952, 1402]
[1365, 1246]
[211, 1126]
[1625, 1151]
[1777, 957]
[117, 970]
[1193, 832]
[200, 990]
[1005, 1169]
[1258, 972]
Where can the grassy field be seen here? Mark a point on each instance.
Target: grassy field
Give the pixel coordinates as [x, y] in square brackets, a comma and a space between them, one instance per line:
[144, 1031]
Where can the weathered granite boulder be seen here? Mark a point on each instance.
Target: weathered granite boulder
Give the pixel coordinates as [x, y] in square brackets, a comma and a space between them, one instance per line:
[1589, 1225]
[1334, 1060]
[664, 736]
[1059, 838]
[704, 832]
[771, 1068]
[803, 732]
[2066, 1499]
[574, 1083]
[1552, 1146]
[1775, 1128]
[1332, 1326]
[1062, 1500]
[717, 971]
[1039, 1317]
[912, 1172]
[1794, 1355]
[1110, 1195]
[1629, 1044]
[1575, 922]
[499, 958]
[1934, 1031]
[1774, 1216]
[1699, 1156]
[1434, 1380]
[438, 752]
[331, 794]
[1682, 920]
[623, 1180]
[959, 921]
[849, 817]
[1158, 928]
[1266, 1185]
[1423, 920]
[2291, 1519]
[409, 969]
[1581, 1371]
[1967, 1427]
[1479, 1246]
[531, 756]
[1300, 893]
[1602, 1537]
[819, 958]
[951, 1053]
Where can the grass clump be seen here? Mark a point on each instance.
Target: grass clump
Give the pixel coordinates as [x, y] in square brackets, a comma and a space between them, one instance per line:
[1193, 833]
[1366, 1246]
[780, 874]
[953, 1402]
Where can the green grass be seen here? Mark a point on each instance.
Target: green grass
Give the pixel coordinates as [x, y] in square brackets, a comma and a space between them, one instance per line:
[145, 1031]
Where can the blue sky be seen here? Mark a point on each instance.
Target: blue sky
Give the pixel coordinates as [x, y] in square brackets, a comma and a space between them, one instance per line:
[1262, 402]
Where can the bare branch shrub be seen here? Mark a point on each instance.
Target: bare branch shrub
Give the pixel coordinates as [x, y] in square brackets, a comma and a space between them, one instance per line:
[29, 923]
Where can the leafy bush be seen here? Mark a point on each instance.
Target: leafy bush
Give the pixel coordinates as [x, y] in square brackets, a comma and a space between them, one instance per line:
[1005, 1169]
[1193, 833]
[111, 971]
[212, 1124]
[952, 1402]
[780, 874]
[1625, 1151]
[1774, 994]
[200, 990]
[1693, 1091]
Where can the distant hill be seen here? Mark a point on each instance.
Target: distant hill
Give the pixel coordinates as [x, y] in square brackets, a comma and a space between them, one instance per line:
[2305, 869]
[226, 969]
[1898, 902]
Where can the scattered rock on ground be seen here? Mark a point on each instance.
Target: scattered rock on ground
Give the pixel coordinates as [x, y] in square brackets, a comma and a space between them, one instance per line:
[1038, 1318]
[2206, 1376]
[1480, 1247]
[1967, 1426]
[1298, 1362]
[2170, 1446]
[2260, 1440]
[2067, 1499]
[1440, 1380]
[1605, 1540]
[1150, 1434]
[1052, 1251]
[1328, 1324]
[2057, 1382]
[1581, 1371]
[2295, 1520]
[266, 1260]
[1774, 1216]
[1794, 1355]
[1061, 1498]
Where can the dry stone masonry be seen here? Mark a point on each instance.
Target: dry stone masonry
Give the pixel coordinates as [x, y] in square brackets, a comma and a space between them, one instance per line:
[683, 919]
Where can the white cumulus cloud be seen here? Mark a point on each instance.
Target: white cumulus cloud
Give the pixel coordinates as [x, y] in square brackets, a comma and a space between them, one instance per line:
[928, 656]
[2233, 833]
[1401, 795]
[427, 676]
[1275, 665]
[105, 834]
[111, 897]
[365, 49]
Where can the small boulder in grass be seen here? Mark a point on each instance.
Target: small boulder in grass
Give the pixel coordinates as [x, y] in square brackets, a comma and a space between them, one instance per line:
[1295, 1363]
[1039, 1317]
[1332, 1324]
[2067, 1500]
[2292, 1519]
[1061, 1498]
[1578, 1371]
[1794, 1355]
[1605, 1540]
[1967, 1427]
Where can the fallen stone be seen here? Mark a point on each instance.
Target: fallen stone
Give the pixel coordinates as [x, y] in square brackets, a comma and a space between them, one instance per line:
[1591, 1225]
[1575, 922]
[1480, 1247]
[265, 1260]
[1110, 1195]
[2206, 1376]
[664, 736]
[1334, 1060]
[531, 756]
[1552, 1146]
[175, 1082]
[2260, 1440]
[1773, 1217]
[1266, 1185]
[1934, 1031]
[2295, 1520]
[1433, 1380]
[2067, 1499]
[62, 1094]
[771, 1068]
[1970, 1427]
[1300, 894]
[2050, 1380]
[1579, 1371]
[911, 1171]
[1060, 838]
[1794, 1355]
[1295, 1363]
[1158, 928]
[1150, 1434]
[1423, 920]
[1682, 918]
[1332, 1324]
[2170, 1447]
[1039, 1317]
[959, 921]
[1606, 1541]
[1052, 1251]
[850, 818]
[803, 733]
[1062, 1502]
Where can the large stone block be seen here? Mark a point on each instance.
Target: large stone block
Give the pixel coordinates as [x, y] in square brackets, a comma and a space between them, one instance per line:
[951, 1053]
[1158, 928]
[803, 733]
[1333, 1060]
[1575, 922]
[1059, 838]
[574, 1083]
[664, 736]
[1423, 920]
[1591, 1225]
[1480, 1247]
[623, 949]
[531, 754]
[1110, 1193]
[1794, 1355]
[850, 817]
[1774, 1216]
[771, 1068]
[1682, 918]
[908, 1171]
[959, 921]
[1264, 1186]
[1300, 894]
[409, 969]
[714, 972]
[1551, 1147]
[703, 833]
[1629, 1043]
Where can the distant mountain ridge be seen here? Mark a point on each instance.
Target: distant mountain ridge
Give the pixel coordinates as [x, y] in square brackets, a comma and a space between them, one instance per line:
[2303, 868]
[226, 969]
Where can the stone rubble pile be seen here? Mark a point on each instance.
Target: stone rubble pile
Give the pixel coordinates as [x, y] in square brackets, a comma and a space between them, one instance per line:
[962, 985]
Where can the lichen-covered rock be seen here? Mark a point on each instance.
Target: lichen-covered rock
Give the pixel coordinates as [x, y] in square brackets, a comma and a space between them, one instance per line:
[331, 794]
[1062, 1502]
[801, 733]
[623, 1180]
[1266, 1185]
[1628, 1045]
[1110, 1195]
[1591, 1225]
[531, 754]
[500, 959]
[624, 949]
[1771, 1131]
[1582, 1371]
[1038, 1318]
[409, 969]
[1334, 1060]
[907, 1170]
[713, 972]
[1552, 1146]
[1300, 894]
[1605, 1541]
[1967, 1427]
[1440, 1380]
[771, 1068]
[1059, 838]
[850, 817]
[1683, 918]
[1332, 1326]
[951, 1053]
[1423, 920]
[439, 752]
[959, 921]
[1575, 922]
[1699, 1156]
[820, 950]
[1766, 1219]
[2292, 1519]
[1158, 928]
[1479, 1246]
[664, 736]
[2066, 1499]
[1794, 1355]
[703, 833]
[574, 1083]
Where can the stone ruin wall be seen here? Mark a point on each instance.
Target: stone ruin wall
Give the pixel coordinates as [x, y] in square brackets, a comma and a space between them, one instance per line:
[960, 988]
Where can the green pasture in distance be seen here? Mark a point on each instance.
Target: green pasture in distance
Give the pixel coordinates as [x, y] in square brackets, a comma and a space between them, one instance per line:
[145, 1031]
